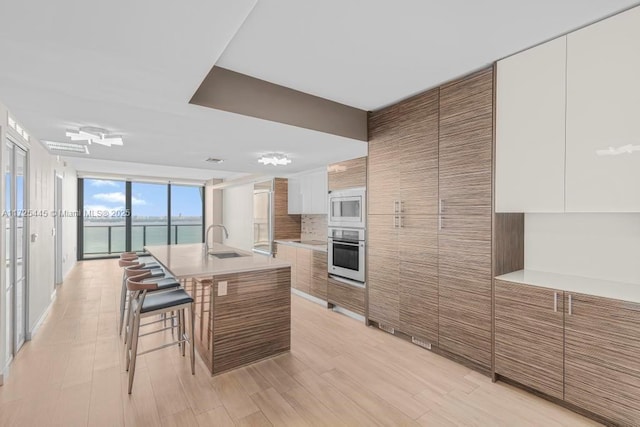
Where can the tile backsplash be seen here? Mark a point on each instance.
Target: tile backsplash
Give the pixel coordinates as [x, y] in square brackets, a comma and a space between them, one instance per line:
[314, 227]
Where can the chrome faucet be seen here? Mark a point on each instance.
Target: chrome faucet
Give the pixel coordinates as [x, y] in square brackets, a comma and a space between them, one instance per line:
[206, 241]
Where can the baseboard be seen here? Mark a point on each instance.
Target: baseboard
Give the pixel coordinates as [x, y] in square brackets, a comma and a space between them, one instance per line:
[309, 297]
[348, 313]
[4, 373]
[30, 334]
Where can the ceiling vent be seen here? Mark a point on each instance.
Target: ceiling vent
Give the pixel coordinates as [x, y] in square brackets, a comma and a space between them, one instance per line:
[214, 160]
[67, 147]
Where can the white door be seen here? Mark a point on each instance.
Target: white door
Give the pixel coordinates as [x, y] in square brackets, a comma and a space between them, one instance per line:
[16, 247]
[58, 227]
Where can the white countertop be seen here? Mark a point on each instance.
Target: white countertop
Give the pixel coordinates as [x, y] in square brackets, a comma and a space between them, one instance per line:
[314, 245]
[583, 285]
[189, 260]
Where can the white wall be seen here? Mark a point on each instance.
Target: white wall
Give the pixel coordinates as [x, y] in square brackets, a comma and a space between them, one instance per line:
[601, 246]
[213, 209]
[237, 215]
[41, 168]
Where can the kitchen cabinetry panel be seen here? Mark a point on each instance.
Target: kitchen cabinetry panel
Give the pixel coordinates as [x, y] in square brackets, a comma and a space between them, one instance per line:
[319, 273]
[383, 270]
[464, 253]
[308, 193]
[465, 340]
[285, 226]
[303, 269]
[466, 145]
[603, 130]
[602, 367]
[418, 277]
[403, 157]
[530, 129]
[418, 154]
[288, 253]
[346, 296]
[347, 174]
[383, 160]
[529, 336]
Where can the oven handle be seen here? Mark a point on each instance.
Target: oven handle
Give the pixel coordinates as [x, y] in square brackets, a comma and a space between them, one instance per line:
[343, 242]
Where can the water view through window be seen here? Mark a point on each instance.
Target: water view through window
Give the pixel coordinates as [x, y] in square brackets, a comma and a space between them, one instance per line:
[106, 209]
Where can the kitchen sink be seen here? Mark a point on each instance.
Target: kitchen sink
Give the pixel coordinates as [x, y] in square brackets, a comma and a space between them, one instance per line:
[224, 255]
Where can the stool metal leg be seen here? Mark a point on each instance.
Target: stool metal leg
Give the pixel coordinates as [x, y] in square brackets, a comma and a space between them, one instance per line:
[192, 337]
[123, 301]
[134, 351]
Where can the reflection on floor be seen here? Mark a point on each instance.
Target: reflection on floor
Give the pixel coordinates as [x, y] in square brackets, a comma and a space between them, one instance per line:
[338, 373]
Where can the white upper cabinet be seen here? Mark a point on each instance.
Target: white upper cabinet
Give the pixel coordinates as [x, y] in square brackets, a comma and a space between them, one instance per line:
[530, 130]
[308, 193]
[603, 116]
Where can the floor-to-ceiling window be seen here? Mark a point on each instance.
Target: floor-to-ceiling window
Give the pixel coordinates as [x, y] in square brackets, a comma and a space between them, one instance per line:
[186, 214]
[122, 215]
[104, 217]
[149, 218]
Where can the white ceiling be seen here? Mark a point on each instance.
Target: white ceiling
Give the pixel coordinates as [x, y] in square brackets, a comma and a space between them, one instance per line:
[371, 53]
[131, 67]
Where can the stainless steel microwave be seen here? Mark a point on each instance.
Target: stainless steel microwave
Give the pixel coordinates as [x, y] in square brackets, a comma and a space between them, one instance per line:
[347, 208]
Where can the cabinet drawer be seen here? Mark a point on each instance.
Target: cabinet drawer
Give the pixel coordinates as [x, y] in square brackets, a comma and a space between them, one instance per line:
[346, 296]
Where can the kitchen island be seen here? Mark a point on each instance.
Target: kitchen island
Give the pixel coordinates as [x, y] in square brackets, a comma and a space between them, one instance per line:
[243, 301]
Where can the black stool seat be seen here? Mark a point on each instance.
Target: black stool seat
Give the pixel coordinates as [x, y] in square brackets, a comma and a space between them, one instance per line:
[158, 301]
[156, 272]
[166, 283]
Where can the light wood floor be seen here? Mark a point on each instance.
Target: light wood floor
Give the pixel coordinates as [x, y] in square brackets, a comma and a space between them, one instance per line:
[338, 373]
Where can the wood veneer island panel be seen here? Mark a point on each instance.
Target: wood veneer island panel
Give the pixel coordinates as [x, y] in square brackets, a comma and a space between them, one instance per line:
[251, 321]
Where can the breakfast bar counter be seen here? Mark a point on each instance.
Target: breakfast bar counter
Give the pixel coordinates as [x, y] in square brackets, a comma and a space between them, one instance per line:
[242, 301]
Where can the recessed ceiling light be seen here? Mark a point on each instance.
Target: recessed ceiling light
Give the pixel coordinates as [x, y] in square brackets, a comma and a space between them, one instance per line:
[274, 159]
[69, 147]
[214, 160]
[94, 135]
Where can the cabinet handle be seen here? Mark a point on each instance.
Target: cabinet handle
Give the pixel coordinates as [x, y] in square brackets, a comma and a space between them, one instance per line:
[401, 222]
[441, 206]
[401, 206]
[396, 206]
[570, 305]
[395, 221]
[440, 221]
[555, 302]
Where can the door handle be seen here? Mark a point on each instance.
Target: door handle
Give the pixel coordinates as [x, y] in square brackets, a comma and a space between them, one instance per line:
[570, 305]
[555, 302]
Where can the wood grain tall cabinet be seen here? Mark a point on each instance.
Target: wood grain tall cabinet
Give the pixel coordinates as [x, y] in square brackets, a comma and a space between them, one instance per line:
[464, 246]
[402, 222]
[434, 242]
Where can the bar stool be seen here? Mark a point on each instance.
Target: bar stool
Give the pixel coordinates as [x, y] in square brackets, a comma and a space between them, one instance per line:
[134, 263]
[145, 304]
[164, 283]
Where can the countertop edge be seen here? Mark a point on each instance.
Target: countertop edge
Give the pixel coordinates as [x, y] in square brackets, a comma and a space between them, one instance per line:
[285, 264]
[629, 292]
[318, 248]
